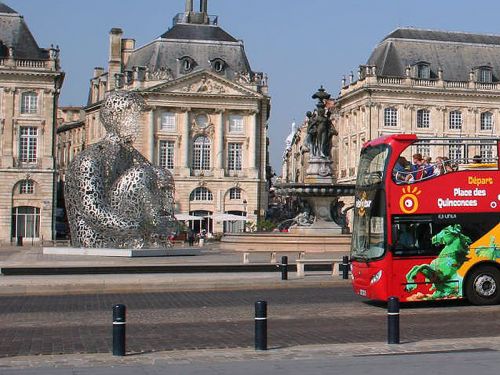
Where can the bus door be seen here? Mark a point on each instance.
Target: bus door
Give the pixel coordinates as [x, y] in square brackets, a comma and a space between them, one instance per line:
[418, 272]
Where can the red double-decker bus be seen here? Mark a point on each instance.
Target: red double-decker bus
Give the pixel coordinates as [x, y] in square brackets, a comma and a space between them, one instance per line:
[427, 219]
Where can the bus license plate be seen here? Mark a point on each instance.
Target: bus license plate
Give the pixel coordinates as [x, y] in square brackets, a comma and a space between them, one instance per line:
[362, 292]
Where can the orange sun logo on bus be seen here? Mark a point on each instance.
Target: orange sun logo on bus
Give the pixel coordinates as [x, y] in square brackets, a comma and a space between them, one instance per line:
[409, 200]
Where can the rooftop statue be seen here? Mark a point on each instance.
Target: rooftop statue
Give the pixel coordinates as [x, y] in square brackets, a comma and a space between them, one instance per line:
[115, 198]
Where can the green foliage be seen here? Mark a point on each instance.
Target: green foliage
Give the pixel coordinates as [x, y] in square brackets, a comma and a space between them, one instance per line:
[261, 226]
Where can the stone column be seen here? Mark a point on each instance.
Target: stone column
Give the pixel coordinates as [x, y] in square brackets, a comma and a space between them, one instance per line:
[152, 135]
[252, 143]
[186, 130]
[219, 146]
[7, 128]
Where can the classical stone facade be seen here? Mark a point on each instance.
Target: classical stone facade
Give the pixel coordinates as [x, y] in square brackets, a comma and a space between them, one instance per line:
[70, 134]
[206, 119]
[430, 83]
[30, 81]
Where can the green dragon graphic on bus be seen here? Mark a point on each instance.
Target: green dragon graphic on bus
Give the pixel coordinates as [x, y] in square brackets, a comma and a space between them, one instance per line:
[442, 271]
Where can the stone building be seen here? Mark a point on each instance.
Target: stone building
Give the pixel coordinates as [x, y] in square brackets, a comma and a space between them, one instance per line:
[206, 120]
[30, 81]
[70, 134]
[430, 83]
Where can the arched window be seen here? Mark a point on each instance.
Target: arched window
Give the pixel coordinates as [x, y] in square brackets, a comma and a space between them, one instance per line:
[234, 193]
[486, 121]
[390, 116]
[423, 118]
[29, 102]
[218, 65]
[201, 153]
[201, 194]
[26, 222]
[187, 64]
[455, 120]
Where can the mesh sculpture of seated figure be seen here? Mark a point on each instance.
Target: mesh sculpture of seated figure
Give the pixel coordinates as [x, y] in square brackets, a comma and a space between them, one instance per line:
[115, 198]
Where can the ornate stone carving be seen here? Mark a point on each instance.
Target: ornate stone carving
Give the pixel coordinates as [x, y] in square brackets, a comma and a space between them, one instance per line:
[162, 74]
[206, 85]
[243, 77]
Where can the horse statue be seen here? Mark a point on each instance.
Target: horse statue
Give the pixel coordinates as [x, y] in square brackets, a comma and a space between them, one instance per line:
[442, 271]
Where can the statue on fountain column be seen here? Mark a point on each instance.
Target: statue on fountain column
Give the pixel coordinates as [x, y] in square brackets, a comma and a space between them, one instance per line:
[320, 131]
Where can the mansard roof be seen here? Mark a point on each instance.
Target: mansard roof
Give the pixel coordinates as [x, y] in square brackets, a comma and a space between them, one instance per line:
[5, 9]
[198, 32]
[456, 53]
[203, 44]
[15, 33]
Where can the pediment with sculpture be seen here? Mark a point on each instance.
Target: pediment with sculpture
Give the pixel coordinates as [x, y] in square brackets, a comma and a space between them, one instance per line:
[204, 83]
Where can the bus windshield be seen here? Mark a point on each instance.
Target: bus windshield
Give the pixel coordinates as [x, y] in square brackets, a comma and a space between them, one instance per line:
[368, 238]
[371, 170]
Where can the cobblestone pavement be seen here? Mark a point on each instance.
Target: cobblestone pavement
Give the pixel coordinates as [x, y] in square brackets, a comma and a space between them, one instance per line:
[224, 319]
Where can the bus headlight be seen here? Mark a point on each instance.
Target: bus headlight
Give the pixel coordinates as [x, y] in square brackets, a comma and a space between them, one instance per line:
[376, 277]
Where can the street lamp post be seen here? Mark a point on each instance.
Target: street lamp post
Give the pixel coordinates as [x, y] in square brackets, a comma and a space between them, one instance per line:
[245, 210]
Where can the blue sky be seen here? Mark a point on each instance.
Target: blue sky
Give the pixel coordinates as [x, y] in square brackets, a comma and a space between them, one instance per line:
[300, 44]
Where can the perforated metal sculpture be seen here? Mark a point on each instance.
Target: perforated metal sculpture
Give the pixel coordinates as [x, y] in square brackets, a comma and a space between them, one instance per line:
[115, 198]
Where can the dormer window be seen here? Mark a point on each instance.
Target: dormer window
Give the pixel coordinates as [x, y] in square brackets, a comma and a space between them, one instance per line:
[187, 64]
[218, 65]
[423, 70]
[484, 74]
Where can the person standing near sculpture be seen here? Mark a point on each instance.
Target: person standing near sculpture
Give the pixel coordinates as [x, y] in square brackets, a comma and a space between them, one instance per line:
[115, 198]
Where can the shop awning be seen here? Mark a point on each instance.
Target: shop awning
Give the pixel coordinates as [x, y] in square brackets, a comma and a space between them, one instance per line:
[186, 217]
[227, 217]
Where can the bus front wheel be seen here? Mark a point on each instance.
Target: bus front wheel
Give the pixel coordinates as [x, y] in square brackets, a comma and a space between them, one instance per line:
[483, 286]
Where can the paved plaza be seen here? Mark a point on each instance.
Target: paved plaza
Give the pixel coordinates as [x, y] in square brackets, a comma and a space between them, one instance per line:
[194, 322]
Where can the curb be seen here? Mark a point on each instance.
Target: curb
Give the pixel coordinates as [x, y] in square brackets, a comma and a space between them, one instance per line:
[170, 269]
[39, 285]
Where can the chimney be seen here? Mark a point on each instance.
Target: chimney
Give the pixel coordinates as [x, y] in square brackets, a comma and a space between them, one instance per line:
[98, 71]
[203, 6]
[128, 46]
[189, 6]
[115, 55]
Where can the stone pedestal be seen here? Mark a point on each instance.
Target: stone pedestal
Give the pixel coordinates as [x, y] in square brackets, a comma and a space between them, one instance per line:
[319, 171]
[323, 224]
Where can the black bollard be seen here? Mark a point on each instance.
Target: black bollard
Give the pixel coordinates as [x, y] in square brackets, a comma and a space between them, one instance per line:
[345, 267]
[284, 268]
[119, 312]
[393, 320]
[261, 325]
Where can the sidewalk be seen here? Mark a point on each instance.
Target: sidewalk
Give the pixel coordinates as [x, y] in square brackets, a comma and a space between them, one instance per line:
[190, 279]
[213, 357]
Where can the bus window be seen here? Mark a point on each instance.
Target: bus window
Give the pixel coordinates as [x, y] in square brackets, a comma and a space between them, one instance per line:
[412, 235]
[412, 238]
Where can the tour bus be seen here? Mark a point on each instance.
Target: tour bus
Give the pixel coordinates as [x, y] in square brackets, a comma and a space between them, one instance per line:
[426, 220]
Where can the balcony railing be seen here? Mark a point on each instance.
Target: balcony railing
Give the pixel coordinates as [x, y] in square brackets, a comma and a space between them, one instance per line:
[418, 82]
[27, 64]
